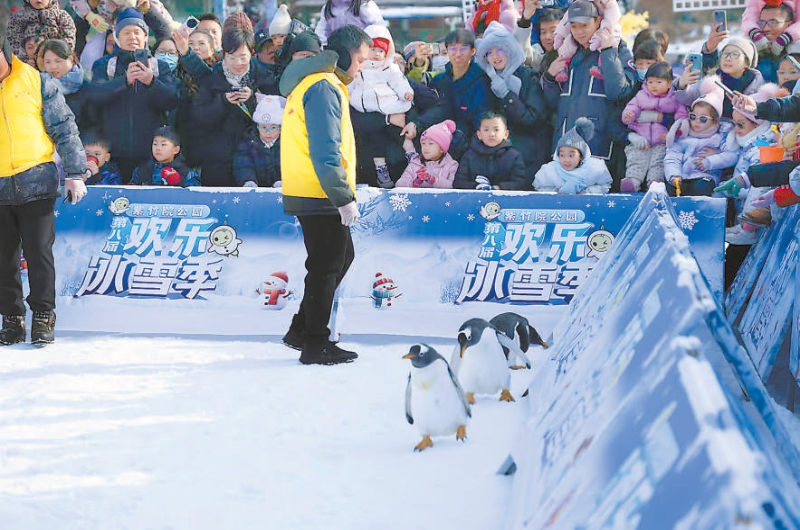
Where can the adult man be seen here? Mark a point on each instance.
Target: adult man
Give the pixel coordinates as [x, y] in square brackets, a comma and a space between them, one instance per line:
[318, 145]
[545, 20]
[38, 121]
[771, 37]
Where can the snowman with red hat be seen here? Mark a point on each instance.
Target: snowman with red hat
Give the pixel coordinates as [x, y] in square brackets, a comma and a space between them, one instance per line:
[275, 291]
[383, 291]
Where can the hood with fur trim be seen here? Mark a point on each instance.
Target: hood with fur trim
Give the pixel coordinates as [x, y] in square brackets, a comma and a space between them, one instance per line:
[380, 31]
[497, 36]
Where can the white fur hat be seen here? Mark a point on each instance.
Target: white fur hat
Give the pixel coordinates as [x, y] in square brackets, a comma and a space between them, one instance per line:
[269, 110]
[281, 23]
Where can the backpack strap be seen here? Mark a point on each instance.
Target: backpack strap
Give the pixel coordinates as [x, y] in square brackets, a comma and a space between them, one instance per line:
[111, 67]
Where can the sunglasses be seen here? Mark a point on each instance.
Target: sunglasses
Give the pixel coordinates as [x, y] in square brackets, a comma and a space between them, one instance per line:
[701, 119]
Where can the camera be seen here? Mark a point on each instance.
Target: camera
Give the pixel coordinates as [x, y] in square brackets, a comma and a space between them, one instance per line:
[237, 88]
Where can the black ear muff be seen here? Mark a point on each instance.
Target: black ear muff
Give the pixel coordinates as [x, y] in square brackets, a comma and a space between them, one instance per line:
[344, 56]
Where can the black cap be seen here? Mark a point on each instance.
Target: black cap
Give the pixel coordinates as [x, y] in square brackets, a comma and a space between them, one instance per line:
[308, 41]
[582, 12]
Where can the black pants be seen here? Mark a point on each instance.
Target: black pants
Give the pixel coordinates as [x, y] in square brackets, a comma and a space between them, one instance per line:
[33, 225]
[330, 253]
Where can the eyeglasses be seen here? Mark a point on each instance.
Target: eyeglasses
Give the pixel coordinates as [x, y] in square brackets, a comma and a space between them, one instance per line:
[241, 59]
[770, 23]
[701, 119]
[731, 55]
[497, 52]
[269, 128]
[174, 54]
[458, 49]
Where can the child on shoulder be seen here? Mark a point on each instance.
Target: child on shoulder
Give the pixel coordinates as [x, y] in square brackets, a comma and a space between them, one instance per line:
[573, 169]
[433, 167]
[39, 20]
[257, 160]
[491, 162]
[583, 12]
[167, 167]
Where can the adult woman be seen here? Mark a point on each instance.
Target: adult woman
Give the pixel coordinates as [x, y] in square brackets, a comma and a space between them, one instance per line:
[222, 109]
[58, 61]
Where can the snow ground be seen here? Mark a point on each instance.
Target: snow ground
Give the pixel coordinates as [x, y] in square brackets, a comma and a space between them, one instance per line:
[120, 431]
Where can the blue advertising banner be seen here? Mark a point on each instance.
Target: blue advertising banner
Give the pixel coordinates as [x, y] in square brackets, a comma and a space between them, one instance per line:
[231, 262]
[638, 421]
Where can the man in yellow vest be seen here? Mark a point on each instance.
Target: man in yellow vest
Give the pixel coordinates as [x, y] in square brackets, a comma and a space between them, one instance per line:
[318, 161]
[35, 121]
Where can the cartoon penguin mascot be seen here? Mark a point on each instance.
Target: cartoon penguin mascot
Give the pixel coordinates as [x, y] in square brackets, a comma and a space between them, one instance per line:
[434, 399]
[479, 361]
[518, 329]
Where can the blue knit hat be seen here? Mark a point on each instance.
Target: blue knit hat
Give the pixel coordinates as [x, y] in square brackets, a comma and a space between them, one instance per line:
[130, 16]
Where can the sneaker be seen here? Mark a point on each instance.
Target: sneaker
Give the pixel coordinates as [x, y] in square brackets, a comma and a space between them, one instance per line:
[13, 330]
[293, 339]
[43, 327]
[326, 353]
[736, 235]
[384, 179]
[630, 185]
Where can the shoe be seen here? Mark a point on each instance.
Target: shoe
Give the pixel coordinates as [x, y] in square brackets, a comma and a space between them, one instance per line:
[595, 71]
[630, 185]
[13, 330]
[384, 179]
[760, 217]
[562, 77]
[43, 327]
[293, 339]
[736, 235]
[326, 353]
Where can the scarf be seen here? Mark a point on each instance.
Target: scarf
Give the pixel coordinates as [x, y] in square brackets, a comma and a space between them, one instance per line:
[513, 82]
[71, 82]
[485, 14]
[236, 80]
[682, 128]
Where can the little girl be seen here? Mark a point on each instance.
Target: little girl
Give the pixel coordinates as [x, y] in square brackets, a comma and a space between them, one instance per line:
[338, 13]
[39, 19]
[438, 169]
[573, 169]
[610, 15]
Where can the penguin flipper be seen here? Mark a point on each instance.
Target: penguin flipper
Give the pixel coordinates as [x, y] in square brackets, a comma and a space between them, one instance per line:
[409, 417]
[514, 349]
[455, 360]
[461, 394]
[523, 332]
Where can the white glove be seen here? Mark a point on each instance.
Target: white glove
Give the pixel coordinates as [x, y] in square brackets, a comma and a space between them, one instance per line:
[483, 183]
[250, 184]
[637, 140]
[647, 116]
[75, 189]
[277, 184]
[349, 213]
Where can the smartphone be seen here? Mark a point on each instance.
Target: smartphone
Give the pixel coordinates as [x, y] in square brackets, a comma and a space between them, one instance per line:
[695, 61]
[141, 56]
[439, 48]
[721, 20]
[728, 91]
[547, 3]
[793, 61]
[237, 88]
[188, 26]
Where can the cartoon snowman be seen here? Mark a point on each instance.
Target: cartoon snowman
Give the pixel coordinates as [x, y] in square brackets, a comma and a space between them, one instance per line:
[119, 206]
[274, 290]
[383, 291]
[599, 242]
[223, 241]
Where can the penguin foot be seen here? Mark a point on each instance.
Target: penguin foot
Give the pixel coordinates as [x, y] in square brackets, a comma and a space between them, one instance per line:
[461, 433]
[505, 395]
[424, 444]
[470, 398]
[518, 367]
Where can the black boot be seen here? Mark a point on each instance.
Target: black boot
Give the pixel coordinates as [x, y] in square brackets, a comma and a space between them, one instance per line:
[13, 330]
[293, 339]
[43, 327]
[325, 353]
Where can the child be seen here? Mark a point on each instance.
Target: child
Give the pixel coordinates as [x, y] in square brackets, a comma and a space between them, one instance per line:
[491, 162]
[98, 158]
[782, 196]
[691, 140]
[381, 87]
[435, 168]
[167, 167]
[338, 13]
[39, 19]
[645, 54]
[752, 16]
[573, 169]
[582, 11]
[645, 153]
[488, 11]
[257, 161]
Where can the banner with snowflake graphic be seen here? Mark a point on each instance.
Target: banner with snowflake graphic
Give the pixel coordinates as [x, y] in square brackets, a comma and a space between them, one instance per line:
[229, 261]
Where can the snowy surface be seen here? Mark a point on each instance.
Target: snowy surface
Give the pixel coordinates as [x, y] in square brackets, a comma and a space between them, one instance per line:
[115, 431]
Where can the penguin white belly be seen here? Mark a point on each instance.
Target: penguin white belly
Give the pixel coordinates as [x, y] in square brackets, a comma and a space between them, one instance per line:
[436, 405]
[484, 368]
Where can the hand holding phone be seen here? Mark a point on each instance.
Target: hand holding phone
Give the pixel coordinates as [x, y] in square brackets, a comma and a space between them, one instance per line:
[720, 20]
[695, 61]
[188, 26]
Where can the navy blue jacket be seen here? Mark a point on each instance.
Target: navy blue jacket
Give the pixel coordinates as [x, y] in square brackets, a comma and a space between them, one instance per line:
[502, 165]
[254, 161]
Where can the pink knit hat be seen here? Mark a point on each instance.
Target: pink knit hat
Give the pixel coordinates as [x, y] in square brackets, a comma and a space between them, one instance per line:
[711, 94]
[441, 134]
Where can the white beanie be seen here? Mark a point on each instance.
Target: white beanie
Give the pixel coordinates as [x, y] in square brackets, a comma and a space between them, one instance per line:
[269, 110]
[281, 23]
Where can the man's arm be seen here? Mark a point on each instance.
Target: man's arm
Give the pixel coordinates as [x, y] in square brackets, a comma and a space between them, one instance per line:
[59, 123]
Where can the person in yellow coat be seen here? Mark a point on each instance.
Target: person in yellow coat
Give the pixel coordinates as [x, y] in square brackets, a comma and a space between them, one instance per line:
[318, 159]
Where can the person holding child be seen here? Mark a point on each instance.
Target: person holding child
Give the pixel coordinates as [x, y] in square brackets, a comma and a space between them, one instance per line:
[257, 160]
[166, 167]
[432, 167]
[39, 19]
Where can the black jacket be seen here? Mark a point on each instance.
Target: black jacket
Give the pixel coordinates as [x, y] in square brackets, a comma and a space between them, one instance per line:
[502, 165]
[253, 161]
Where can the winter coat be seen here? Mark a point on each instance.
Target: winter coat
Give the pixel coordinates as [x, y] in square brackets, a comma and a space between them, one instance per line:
[150, 173]
[747, 84]
[253, 161]
[654, 132]
[380, 89]
[220, 126]
[40, 126]
[591, 176]
[785, 109]
[428, 173]
[52, 22]
[484, 13]
[342, 16]
[317, 139]
[681, 155]
[71, 87]
[107, 175]
[742, 152]
[752, 14]
[502, 165]
[584, 95]
[130, 114]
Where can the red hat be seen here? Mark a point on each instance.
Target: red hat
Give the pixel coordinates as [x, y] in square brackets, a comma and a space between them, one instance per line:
[281, 275]
[380, 279]
[380, 42]
[773, 3]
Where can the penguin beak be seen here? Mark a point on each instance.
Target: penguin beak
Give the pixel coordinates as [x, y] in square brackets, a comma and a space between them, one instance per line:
[463, 349]
[410, 356]
[544, 345]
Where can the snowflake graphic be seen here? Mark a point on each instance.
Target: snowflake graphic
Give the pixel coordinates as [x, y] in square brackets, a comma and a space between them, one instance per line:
[426, 218]
[400, 201]
[280, 199]
[236, 200]
[611, 204]
[56, 213]
[410, 217]
[471, 217]
[687, 220]
[99, 213]
[447, 203]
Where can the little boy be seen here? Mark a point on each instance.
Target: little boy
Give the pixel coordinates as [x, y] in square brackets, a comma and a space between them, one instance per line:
[167, 167]
[491, 162]
[98, 158]
[257, 160]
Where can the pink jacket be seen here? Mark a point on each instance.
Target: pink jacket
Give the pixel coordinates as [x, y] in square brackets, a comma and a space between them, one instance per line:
[752, 14]
[655, 133]
[436, 174]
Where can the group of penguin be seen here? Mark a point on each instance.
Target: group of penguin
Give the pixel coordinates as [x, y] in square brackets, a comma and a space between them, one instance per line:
[439, 395]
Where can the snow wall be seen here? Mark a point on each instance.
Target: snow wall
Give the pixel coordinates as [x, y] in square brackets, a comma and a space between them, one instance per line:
[230, 262]
[649, 414]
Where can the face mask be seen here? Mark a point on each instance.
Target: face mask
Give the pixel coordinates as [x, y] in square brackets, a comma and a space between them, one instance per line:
[641, 73]
[171, 60]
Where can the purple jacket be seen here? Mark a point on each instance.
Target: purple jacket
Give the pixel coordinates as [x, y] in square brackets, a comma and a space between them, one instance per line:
[437, 174]
[341, 16]
[655, 133]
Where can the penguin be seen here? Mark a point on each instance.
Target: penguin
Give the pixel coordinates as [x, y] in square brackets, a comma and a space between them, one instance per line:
[517, 328]
[434, 399]
[479, 362]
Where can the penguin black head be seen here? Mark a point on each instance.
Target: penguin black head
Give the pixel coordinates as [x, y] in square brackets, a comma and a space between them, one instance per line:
[536, 338]
[422, 355]
[470, 332]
